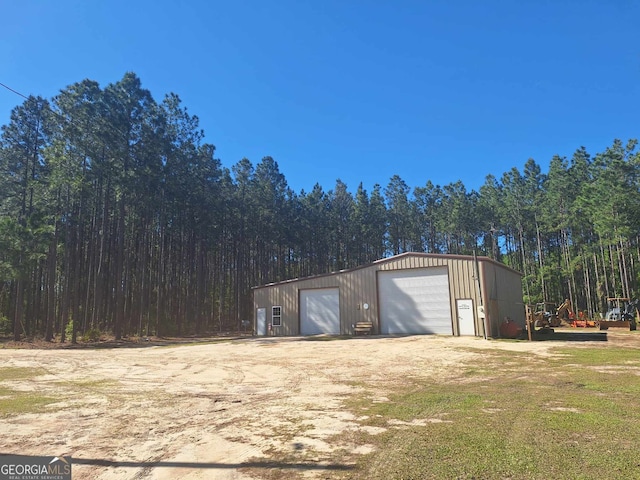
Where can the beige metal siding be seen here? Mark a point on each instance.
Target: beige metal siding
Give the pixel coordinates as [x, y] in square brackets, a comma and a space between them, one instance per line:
[502, 289]
[462, 283]
[359, 286]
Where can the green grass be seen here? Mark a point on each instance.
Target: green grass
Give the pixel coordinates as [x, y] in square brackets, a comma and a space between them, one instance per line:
[326, 338]
[599, 356]
[198, 343]
[512, 420]
[19, 373]
[97, 386]
[12, 401]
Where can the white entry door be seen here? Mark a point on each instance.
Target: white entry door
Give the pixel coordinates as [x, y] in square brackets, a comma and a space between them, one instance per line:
[466, 322]
[261, 321]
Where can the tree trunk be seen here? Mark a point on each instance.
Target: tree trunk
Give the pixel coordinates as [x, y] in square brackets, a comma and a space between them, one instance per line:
[118, 275]
[51, 284]
[18, 327]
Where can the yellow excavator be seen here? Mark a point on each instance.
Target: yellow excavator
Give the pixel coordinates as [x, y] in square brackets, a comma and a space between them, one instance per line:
[544, 316]
[565, 312]
[539, 318]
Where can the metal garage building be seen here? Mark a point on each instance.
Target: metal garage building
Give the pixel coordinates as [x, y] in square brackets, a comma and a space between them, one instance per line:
[410, 293]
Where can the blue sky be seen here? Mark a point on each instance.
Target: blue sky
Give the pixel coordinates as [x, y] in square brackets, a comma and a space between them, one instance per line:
[356, 90]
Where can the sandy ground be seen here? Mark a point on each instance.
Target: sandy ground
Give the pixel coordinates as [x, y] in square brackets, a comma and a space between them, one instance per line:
[234, 410]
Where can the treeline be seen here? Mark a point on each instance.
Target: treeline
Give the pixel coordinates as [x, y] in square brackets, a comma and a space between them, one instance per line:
[116, 216]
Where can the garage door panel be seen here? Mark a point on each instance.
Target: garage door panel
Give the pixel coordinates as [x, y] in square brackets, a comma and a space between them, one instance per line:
[320, 311]
[415, 301]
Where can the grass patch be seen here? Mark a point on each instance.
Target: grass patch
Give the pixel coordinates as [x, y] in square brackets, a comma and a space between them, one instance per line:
[291, 459]
[92, 383]
[14, 402]
[326, 338]
[19, 373]
[198, 343]
[97, 386]
[602, 356]
[535, 420]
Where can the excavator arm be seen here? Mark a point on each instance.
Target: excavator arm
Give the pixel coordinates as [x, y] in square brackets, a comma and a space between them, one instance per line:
[565, 308]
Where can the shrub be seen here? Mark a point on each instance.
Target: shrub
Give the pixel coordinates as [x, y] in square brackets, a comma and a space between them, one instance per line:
[68, 330]
[6, 326]
[92, 335]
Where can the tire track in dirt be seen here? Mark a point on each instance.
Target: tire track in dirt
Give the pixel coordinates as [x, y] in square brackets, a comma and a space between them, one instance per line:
[224, 404]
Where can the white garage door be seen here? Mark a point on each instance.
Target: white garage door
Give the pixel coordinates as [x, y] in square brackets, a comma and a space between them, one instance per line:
[320, 311]
[415, 301]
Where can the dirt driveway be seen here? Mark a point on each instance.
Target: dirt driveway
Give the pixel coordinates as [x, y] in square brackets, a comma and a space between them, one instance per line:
[240, 409]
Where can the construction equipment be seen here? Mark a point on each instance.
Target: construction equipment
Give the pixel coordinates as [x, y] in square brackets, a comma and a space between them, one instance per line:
[564, 312]
[621, 312]
[543, 316]
[537, 320]
[583, 321]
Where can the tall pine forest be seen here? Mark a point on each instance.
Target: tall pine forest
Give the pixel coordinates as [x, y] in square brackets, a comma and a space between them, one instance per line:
[116, 216]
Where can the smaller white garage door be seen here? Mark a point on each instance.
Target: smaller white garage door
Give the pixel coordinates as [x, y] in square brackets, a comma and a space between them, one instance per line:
[320, 311]
[415, 301]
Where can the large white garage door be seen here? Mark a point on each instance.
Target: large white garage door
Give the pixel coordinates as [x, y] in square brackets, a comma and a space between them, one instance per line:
[415, 301]
[320, 311]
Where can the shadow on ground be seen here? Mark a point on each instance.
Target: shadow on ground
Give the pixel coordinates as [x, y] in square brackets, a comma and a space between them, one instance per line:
[198, 465]
[131, 342]
[571, 337]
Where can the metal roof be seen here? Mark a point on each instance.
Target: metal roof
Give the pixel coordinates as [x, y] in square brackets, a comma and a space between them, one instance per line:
[394, 258]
